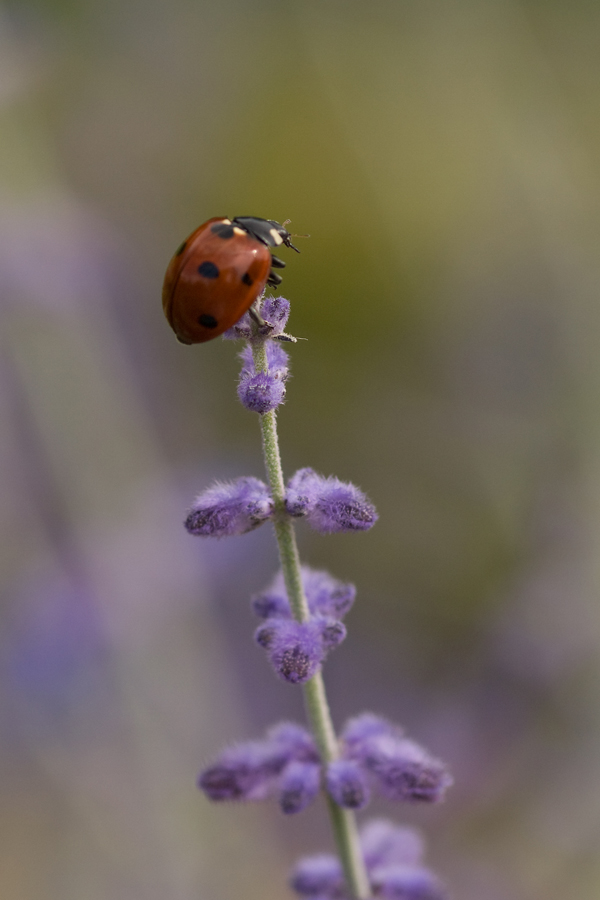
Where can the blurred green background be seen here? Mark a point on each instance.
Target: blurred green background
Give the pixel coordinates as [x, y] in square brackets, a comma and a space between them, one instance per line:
[445, 159]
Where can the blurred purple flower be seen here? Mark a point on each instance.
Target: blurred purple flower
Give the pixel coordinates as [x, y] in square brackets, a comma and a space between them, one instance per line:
[400, 768]
[347, 783]
[285, 762]
[296, 649]
[255, 770]
[325, 596]
[393, 857]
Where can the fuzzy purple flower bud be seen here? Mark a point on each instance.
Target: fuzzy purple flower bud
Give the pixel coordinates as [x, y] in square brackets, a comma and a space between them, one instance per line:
[277, 359]
[276, 311]
[296, 741]
[244, 772]
[295, 649]
[347, 784]
[399, 882]
[359, 729]
[330, 505]
[325, 595]
[231, 508]
[332, 631]
[384, 843]
[260, 392]
[298, 786]
[318, 876]
[403, 770]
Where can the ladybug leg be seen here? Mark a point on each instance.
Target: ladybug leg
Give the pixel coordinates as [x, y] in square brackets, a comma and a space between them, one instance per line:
[274, 279]
[256, 317]
[264, 327]
[277, 263]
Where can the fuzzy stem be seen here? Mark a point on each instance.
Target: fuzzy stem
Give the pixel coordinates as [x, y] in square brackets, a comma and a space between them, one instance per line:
[315, 699]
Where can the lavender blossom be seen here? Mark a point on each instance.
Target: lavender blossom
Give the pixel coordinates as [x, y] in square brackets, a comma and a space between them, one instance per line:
[365, 726]
[230, 508]
[392, 855]
[274, 310]
[347, 784]
[374, 754]
[244, 772]
[318, 876]
[325, 596]
[285, 762]
[400, 882]
[329, 505]
[295, 649]
[401, 768]
[299, 785]
[260, 392]
[384, 843]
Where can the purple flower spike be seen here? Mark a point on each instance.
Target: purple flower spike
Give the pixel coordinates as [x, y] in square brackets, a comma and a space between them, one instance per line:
[347, 783]
[262, 392]
[244, 772]
[403, 770]
[384, 843]
[299, 785]
[400, 882]
[295, 649]
[231, 508]
[330, 505]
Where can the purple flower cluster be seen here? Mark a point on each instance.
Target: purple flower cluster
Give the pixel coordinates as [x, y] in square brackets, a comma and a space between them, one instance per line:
[393, 856]
[374, 757]
[296, 650]
[285, 763]
[329, 505]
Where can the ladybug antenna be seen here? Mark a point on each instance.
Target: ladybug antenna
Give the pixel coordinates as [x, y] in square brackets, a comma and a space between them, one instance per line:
[288, 242]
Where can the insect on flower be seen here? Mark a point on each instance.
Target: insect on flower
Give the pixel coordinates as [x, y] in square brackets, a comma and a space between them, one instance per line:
[218, 272]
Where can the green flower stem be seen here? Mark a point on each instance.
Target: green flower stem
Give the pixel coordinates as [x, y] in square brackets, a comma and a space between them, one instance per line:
[315, 699]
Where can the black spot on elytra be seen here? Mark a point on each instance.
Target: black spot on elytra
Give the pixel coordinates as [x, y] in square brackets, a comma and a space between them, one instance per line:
[222, 230]
[247, 279]
[207, 321]
[208, 270]
[181, 248]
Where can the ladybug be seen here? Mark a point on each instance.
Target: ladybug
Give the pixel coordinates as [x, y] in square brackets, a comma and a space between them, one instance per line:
[217, 274]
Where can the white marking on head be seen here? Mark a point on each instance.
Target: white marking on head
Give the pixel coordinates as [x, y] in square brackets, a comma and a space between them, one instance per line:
[237, 230]
[226, 221]
[277, 239]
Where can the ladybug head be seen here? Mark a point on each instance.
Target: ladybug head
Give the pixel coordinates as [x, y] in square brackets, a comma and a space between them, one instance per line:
[267, 231]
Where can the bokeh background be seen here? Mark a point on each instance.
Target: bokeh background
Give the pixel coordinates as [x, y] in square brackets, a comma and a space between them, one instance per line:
[445, 159]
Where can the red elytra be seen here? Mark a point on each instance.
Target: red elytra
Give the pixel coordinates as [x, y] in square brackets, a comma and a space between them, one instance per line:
[218, 272]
